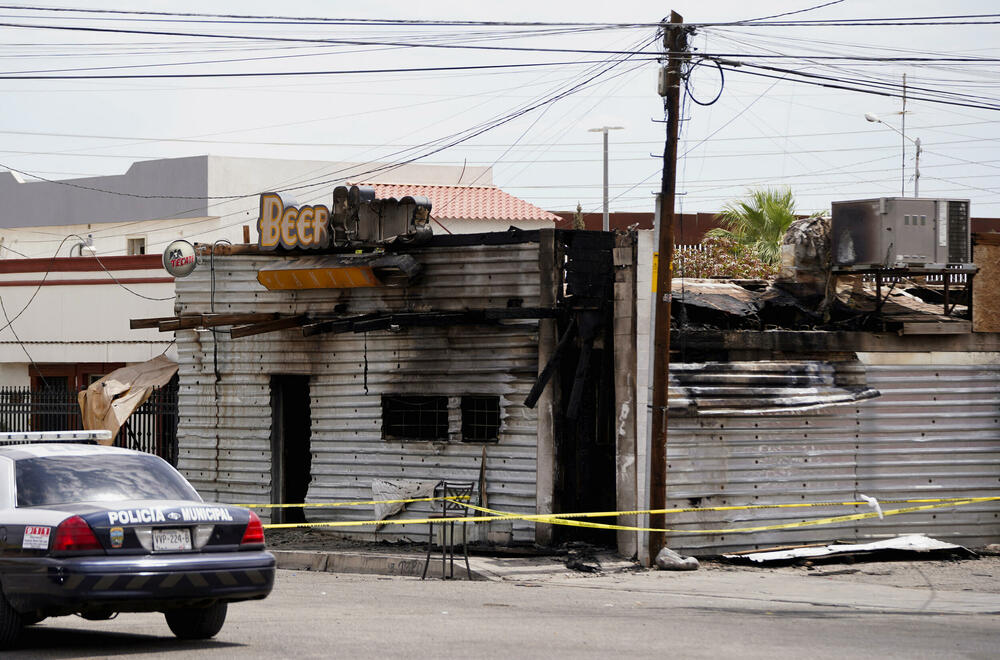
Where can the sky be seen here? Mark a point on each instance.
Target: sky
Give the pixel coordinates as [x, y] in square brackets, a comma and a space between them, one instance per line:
[529, 115]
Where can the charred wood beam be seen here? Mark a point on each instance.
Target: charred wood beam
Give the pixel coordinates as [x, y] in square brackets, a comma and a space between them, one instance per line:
[582, 368]
[139, 324]
[180, 323]
[334, 326]
[268, 326]
[372, 322]
[212, 320]
[546, 375]
[522, 313]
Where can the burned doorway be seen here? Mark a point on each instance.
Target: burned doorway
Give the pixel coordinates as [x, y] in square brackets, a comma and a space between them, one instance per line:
[291, 453]
[585, 437]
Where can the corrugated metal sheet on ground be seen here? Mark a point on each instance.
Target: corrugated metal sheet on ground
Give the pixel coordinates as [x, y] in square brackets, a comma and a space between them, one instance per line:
[934, 432]
[225, 426]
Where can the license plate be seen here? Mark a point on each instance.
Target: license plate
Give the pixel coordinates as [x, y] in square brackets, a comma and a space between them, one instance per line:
[171, 539]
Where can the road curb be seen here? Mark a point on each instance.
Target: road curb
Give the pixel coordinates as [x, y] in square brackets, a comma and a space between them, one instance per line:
[370, 563]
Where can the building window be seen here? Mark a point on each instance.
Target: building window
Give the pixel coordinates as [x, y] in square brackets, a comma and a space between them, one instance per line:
[136, 246]
[480, 418]
[414, 417]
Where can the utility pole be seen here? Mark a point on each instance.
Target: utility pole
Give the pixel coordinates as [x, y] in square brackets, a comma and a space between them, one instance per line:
[675, 41]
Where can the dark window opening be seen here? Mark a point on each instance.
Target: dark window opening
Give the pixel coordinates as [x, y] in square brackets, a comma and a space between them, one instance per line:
[414, 417]
[480, 418]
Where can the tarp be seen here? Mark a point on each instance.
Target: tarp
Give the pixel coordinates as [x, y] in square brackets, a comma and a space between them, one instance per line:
[108, 402]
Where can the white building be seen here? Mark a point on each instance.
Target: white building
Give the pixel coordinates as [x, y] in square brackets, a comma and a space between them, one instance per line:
[80, 257]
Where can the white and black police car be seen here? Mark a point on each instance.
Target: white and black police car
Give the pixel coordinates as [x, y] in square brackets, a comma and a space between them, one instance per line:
[95, 530]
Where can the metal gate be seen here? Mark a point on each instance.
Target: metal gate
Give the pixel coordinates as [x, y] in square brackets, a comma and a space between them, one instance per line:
[152, 428]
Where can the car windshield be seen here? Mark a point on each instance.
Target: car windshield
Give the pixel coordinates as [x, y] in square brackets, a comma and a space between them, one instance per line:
[49, 480]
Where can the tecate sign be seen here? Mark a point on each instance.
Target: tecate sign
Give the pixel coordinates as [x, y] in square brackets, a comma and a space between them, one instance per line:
[179, 259]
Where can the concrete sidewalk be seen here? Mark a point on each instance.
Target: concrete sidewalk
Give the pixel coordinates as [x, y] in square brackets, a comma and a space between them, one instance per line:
[411, 564]
[945, 587]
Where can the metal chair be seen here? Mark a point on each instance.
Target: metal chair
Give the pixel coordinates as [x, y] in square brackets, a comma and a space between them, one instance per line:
[448, 509]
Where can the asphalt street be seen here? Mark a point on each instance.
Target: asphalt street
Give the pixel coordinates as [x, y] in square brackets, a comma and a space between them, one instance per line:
[648, 614]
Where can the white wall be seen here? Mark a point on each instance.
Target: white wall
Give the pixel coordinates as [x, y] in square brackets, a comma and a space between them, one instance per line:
[14, 375]
[111, 238]
[82, 323]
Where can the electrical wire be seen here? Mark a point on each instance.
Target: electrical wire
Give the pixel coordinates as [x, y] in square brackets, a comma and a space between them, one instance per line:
[789, 13]
[722, 84]
[10, 324]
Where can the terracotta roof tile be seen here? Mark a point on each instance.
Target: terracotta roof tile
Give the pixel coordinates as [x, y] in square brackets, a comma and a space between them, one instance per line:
[467, 202]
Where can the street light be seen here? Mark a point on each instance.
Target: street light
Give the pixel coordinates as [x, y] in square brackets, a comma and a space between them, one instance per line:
[916, 142]
[605, 129]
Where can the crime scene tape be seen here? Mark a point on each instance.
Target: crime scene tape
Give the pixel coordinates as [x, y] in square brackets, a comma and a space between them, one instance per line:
[554, 520]
[599, 514]
[570, 518]
[309, 505]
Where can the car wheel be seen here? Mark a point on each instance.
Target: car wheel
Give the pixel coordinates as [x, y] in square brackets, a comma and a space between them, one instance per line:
[196, 622]
[10, 624]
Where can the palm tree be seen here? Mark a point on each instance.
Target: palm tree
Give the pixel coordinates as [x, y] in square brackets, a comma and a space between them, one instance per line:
[758, 222]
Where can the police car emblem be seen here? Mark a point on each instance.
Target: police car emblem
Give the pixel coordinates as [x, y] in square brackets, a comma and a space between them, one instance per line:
[173, 515]
[117, 537]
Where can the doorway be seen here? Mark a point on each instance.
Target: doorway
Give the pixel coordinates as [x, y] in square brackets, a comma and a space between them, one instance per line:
[291, 454]
[585, 449]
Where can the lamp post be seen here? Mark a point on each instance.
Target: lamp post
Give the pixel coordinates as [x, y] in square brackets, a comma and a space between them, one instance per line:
[604, 129]
[916, 142]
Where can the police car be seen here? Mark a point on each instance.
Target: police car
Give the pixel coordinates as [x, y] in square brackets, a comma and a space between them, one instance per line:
[94, 530]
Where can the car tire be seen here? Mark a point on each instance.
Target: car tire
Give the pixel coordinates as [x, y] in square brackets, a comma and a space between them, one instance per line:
[196, 622]
[10, 624]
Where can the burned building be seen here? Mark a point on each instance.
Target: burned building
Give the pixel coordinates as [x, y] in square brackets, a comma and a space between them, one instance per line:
[839, 382]
[368, 360]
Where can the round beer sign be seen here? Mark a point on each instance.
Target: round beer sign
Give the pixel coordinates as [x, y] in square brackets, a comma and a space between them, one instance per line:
[179, 259]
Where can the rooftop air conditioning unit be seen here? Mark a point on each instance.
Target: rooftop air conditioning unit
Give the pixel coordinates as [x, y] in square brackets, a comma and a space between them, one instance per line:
[899, 232]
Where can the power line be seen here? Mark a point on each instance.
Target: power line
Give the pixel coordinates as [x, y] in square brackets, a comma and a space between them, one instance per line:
[797, 11]
[273, 74]
[846, 87]
[339, 21]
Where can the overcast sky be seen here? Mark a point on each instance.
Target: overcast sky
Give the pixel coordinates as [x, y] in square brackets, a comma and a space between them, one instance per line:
[761, 131]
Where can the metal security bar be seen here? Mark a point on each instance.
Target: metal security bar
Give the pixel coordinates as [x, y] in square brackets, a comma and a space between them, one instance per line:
[480, 418]
[152, 428]
[414, 417]
[51, 409]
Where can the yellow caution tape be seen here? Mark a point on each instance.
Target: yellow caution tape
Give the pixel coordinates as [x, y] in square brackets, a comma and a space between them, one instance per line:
[309, 505]
[600, 514]
[568, 518]
[557, 519]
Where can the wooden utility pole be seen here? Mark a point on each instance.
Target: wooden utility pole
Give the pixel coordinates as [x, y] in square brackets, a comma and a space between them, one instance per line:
[675, 40]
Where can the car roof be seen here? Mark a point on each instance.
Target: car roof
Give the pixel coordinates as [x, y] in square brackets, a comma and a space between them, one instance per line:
[42, 450]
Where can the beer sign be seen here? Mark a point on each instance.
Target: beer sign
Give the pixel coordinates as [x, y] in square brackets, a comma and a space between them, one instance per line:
[292, 227]
[179, 258]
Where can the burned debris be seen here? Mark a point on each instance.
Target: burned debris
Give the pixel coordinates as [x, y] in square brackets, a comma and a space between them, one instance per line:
[817, 290]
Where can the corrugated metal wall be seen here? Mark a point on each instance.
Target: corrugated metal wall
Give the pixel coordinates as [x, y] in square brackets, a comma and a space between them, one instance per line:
[934, 432]
[225, 426]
